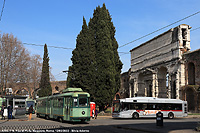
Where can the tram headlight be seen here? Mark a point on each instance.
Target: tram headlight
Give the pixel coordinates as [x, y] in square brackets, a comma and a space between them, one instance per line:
[83, 112]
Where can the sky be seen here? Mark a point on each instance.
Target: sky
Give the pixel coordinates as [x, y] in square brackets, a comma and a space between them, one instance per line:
[58, 22]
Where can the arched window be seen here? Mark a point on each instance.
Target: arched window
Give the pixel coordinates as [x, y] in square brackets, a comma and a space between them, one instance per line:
[191, 74]
[117, 96]
[162, 81]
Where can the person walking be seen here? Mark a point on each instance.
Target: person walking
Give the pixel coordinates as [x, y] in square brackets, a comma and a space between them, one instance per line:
[2, 112]
[10, 110]
[93, 114]
[30, 111]
[96, 113]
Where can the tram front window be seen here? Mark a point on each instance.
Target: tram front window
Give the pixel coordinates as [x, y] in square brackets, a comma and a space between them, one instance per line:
[29, 103]
[83, 102]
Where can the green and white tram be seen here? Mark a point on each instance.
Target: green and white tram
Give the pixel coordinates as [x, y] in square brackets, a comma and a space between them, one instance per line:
[71, 105]
[28, 103]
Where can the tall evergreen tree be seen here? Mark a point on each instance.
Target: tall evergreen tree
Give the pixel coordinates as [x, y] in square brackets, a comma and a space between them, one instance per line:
[96, 62]
[82, 60]
[45, 86]
[107, 59]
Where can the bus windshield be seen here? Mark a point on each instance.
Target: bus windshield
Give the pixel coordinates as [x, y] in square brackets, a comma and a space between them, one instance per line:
[116, 107]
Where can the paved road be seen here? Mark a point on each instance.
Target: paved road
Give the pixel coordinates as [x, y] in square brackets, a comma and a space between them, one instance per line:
[101, 125]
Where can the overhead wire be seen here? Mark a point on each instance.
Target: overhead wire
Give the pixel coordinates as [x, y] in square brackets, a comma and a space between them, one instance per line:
[2, 9]
[160, 29]
[38, 45]
[123, 53]
[195, 29]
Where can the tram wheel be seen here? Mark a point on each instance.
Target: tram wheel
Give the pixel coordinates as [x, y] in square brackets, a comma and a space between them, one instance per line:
[38, 115]
[135, 115]
[60, 119]
[47, 117]
[170, 115]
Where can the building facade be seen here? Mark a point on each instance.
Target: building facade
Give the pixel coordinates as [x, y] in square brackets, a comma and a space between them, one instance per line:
[157, 68]
[191, 90]
[165, 67]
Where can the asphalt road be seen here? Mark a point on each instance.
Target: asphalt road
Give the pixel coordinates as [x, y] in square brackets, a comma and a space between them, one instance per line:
[104, 124]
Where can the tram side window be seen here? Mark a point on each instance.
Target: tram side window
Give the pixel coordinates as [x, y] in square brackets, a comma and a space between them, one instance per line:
[75, 102]
[48, 103]
[55, 102]
[43, 103]
[39, 103]
[60, 102]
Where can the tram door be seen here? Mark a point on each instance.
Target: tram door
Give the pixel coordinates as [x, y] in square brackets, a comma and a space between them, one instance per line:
[67, 108]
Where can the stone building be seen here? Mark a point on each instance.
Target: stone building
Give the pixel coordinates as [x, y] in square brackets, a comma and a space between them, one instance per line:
[124, 88]
[157, 66]
[191, 90]
[164, 67]
[28, 89]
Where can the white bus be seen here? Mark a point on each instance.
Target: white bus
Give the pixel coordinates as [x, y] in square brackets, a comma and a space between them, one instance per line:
[148, 107]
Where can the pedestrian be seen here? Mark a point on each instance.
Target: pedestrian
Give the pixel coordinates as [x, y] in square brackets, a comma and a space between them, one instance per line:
[2, 112]
[93, 114]
[10, 110]
[96, 113]
[30, 111]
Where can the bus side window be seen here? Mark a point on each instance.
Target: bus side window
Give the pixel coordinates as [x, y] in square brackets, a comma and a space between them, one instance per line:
[132, 106]
[144, 107]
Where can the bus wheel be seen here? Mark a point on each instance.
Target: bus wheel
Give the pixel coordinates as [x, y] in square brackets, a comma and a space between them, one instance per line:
[60, 119]
[135, 115]
[170, 115]
[47, 117]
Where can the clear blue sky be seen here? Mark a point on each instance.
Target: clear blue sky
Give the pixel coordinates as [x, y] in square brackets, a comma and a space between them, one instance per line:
[58, 22]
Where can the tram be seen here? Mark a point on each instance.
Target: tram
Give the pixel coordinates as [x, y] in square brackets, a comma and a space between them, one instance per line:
[28, 103]
[71, 105]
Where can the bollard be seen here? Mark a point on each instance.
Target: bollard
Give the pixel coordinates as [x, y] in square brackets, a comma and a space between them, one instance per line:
[159, 119]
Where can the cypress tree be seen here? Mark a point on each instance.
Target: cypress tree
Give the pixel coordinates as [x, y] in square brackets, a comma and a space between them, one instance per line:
[95, 60]
[45, 86]
[82, 61]
[108, 64]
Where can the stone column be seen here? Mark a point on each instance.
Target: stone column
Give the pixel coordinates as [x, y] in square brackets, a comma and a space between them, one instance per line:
[169, 86]
[130, 90]
[177, 85]
[154, 85]
[135, 86]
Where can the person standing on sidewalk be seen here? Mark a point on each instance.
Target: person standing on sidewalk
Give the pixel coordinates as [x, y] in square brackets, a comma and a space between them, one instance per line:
[10, 110]
[2, 112]
[30, 111]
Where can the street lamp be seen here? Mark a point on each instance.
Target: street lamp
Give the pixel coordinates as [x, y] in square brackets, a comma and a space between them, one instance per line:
[73, 76]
